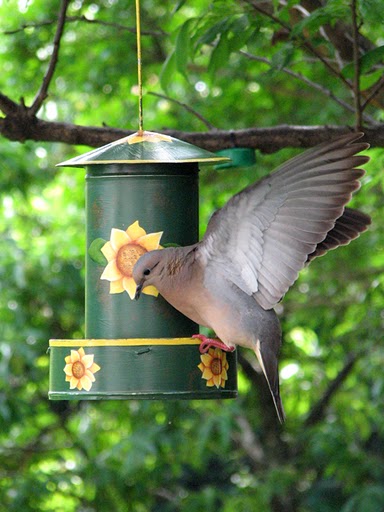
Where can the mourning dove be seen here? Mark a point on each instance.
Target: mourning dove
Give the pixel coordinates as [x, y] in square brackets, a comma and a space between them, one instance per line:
[255, 246]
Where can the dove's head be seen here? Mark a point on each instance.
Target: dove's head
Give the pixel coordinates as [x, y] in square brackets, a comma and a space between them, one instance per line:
[147, 270]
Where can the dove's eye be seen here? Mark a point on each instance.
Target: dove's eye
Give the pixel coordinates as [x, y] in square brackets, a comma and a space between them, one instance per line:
[147, 272]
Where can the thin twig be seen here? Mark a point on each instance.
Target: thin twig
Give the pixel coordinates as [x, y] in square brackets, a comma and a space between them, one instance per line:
[26, 26]
[318, 411]
[154, 33]
[43, 92]
[72, 19]
[356, 65]
[375, 91]
[205, 121]
[247, 439]
[310, 83]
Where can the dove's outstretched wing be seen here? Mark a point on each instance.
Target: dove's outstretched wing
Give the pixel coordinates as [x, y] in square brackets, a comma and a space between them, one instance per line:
[264, 235]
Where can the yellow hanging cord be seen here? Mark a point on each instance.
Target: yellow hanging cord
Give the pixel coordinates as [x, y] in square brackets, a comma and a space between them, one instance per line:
[140, 82]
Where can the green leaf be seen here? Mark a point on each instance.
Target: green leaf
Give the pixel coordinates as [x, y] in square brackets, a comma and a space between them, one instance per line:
[178, 6]
[371, 59]
[167, 71]
[372, 10]
[241, 31]
[367, 81]
[182, 47]
[367, 62]
[369, 499]
[326, 15]
[283, 57]
[95, 253]
[220, 55]
[214, 31]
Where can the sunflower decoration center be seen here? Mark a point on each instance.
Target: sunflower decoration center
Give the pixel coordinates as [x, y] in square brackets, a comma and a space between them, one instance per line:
[216, 366]
[127, 257]
[78, 370]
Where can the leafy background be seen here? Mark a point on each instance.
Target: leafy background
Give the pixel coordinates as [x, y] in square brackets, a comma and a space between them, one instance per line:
[174, 455]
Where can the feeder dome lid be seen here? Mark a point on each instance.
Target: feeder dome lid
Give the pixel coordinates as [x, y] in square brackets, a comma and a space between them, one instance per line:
[145, 147]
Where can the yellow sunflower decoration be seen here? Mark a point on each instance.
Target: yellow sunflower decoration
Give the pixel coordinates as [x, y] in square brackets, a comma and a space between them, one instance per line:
[79, 370]
[122, 251]
[214, 366]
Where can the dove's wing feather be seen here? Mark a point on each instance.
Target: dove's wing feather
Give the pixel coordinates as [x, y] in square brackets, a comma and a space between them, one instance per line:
[231, 245]
[347, 228]
[262, 237]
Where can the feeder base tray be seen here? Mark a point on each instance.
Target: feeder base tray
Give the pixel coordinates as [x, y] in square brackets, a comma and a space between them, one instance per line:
[139, 368]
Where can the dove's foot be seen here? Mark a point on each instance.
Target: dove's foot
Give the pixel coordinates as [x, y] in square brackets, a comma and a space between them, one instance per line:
[207, 343]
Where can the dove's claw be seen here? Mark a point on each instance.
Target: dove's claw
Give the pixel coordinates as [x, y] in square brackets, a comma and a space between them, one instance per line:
[207, 343]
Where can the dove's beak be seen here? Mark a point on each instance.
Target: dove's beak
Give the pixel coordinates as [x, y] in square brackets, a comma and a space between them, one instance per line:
[139, 287]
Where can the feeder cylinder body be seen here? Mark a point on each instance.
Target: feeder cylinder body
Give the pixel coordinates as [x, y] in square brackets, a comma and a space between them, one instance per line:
[162, 197]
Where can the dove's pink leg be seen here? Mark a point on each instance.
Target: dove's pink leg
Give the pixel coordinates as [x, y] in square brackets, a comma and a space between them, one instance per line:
[207, 343]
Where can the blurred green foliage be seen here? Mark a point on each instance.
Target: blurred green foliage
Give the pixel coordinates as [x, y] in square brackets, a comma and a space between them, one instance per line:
[171, 456]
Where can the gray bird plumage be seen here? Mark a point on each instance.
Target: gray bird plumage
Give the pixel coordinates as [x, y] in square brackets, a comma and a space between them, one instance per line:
[255, 246]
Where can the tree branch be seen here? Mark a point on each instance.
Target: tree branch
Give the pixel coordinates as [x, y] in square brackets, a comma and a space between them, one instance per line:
[43, 92]
[318, 410]
[19, 126]
[8, 106]
[338, 33]
[341, 37]
[301, 40]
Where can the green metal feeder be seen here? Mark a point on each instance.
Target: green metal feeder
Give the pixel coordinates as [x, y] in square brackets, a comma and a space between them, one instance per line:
[141, 194]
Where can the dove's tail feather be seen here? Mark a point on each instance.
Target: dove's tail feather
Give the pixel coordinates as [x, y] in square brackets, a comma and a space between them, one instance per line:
[279, 406]
[268, 362]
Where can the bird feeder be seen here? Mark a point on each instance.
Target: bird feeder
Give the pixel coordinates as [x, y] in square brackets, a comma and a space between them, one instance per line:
[141, 194]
